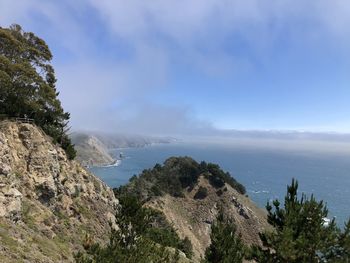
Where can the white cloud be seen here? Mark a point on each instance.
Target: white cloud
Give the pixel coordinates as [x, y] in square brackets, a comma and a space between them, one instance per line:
[150, 118]
[188, 21]
[159, 34]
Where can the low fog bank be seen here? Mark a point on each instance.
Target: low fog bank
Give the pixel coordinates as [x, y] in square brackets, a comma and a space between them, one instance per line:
[299, 142]
[118, 140]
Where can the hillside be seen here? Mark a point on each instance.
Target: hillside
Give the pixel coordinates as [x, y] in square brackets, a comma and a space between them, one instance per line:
[48, 204]
[91, 151]
[190, 195]
[193, 217]
[113, 141]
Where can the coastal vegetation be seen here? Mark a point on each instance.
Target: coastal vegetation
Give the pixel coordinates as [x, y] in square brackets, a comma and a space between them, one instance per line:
[201, 193]
[226, 245]
[143, 235]
[298, 230]
[27, 81]
[299, 235]
[176, 175]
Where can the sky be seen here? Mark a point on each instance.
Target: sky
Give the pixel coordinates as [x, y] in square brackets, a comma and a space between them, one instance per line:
[189, 67]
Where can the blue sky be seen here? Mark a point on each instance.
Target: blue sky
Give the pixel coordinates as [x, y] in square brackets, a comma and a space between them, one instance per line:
[171, 67]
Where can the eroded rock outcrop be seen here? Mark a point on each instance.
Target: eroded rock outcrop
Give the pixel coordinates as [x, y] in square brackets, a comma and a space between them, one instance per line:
[48, 204]
[193, 218]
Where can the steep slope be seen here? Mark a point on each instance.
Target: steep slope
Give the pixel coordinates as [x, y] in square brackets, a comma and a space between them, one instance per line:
[193, 217]
[48, 204]
[190, 195]
[91, 151]
[93, 148]
[113, 141]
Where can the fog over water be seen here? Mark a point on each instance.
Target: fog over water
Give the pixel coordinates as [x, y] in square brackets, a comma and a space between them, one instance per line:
[337, 146]
[264, 166]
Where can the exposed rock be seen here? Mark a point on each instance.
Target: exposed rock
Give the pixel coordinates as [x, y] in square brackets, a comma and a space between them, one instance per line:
[48, 204]
[11, 200]
[193, 218]
[4, 169]
[91, 151]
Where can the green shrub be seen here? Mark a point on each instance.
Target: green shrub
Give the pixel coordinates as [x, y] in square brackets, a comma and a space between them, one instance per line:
[156, 191]
[186, 247]
[174, 176]
[216, 181]
[217, 174]
[201, 193]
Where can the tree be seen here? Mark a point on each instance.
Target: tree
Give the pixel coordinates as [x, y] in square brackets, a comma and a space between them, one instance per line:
[141, 250]
[27, 81]
[136, 240]
[128, 243]
[300, 233]
[343, 252]
[186, 247]
[226, 246]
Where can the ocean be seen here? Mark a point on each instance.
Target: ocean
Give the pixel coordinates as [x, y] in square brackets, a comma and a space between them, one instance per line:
[264, 171]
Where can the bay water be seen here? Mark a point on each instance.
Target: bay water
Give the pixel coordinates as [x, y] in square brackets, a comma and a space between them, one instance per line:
[265, 172]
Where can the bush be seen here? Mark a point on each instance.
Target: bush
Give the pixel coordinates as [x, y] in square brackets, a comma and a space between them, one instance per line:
[67, 145]
[201, 193]
[217, 173]
[216, 181]
[219, 192]
[186, 247]
[156, 191]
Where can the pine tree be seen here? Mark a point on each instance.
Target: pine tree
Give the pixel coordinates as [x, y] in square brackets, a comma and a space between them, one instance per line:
[136, 240]
[27, 81]
[300, 234]
[226, 246]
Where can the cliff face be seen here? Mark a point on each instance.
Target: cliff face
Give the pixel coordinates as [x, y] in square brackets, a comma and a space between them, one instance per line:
[48, 204]
[91, 151]
[192, 217]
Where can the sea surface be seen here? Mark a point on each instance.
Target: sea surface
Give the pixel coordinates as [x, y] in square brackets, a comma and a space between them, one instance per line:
[265, 172]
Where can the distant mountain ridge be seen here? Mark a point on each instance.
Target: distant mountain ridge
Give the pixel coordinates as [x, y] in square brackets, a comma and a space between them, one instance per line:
[113, 141]
[93, 149]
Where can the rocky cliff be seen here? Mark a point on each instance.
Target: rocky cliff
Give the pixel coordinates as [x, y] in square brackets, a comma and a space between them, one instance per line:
[192, 217]
[48, 204]
[91, 151]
